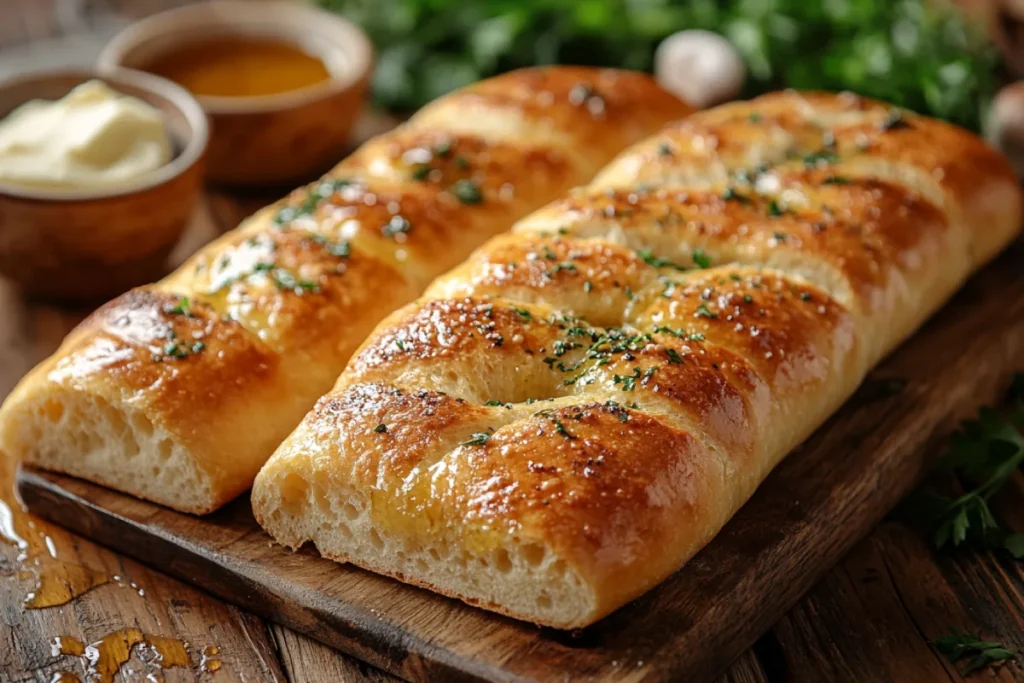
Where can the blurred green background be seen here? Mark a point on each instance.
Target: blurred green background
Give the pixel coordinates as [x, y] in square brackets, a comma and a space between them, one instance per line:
[922, 55]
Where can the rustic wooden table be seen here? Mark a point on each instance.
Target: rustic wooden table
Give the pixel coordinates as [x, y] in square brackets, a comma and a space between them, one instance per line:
[870, 619]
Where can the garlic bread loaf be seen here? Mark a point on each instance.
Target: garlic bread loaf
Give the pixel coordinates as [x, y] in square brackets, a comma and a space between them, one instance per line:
[179, 391]
[567, 417]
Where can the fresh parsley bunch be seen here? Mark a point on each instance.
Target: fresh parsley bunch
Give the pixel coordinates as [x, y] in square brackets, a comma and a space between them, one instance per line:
[919, 54]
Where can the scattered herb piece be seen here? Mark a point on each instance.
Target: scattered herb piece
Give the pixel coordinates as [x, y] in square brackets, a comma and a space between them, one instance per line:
[398, 225]
[181, 308]
[648, 257]
[704, 312]
[477, 439]
[701, 259]
[730, 195]
[982, 653]
[467, 191]
[380, 429]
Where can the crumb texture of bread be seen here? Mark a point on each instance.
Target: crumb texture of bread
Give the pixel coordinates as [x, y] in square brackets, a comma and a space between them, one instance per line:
[179, 391]
[569, 415]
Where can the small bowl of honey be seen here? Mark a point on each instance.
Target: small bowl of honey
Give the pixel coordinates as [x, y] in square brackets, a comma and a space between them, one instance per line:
[282, 83]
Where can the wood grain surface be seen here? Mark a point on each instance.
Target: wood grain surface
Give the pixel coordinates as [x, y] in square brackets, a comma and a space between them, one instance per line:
[811, 510]
[868, 619]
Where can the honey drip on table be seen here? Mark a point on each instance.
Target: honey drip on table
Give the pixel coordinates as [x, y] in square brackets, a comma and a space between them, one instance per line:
[210, 661]
[104, 658]
[56, 582]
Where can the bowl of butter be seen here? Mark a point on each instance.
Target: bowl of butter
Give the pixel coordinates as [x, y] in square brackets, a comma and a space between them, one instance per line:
[99, 175]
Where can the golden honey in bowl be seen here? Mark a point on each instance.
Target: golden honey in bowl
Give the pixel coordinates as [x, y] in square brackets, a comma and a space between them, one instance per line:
[238, 66]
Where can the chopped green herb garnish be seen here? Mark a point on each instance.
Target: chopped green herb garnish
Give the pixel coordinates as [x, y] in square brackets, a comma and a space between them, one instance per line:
[477, 439]
[443, 149]
[774, 210]
[420, 172]
[398, 225]
[467, 191]
[673, 356]
[499, 404]
[821, 158]
[730, 195]
[181, 308]
[836, 180]
[648, 257]
[381, 428]
[701, 258]
[704, 312]
[523, 313]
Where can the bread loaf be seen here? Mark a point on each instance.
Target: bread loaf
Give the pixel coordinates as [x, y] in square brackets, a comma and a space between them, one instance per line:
[571, 414]
[179, 391]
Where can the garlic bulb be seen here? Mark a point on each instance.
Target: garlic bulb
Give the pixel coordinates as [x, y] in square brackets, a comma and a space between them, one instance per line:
[1004, 127]
[701, 67]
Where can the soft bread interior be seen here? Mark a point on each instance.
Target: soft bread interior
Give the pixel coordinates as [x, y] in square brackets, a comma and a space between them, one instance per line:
[111, 443]
[517, 578]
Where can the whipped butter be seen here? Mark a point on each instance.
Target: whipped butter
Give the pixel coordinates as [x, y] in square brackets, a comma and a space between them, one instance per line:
[93, 138]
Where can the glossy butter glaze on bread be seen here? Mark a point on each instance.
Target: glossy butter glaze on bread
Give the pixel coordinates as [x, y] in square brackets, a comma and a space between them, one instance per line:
[572, 413]
[179, 391]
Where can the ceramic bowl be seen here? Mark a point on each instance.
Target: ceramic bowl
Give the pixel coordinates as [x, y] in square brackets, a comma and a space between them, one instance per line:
[269, 139]
[82, 246]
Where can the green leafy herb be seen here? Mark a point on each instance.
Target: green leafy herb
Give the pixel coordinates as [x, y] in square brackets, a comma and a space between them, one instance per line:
[918, 54]
[775, 210]
[979, 653]
[420, 172]
[381, 428]
[985, 452]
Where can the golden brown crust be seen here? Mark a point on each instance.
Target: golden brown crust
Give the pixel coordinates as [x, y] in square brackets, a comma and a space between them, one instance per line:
[290, 295]
[613, 379]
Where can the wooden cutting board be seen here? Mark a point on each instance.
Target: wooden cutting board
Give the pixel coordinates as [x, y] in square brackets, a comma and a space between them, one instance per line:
[813, 507]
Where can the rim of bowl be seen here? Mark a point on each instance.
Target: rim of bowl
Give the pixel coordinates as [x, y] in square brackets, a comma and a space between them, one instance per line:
[178, 97]
[287, 21]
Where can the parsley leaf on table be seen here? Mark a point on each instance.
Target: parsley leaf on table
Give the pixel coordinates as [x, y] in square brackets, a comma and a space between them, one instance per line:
[982, 653]
[985, 452]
